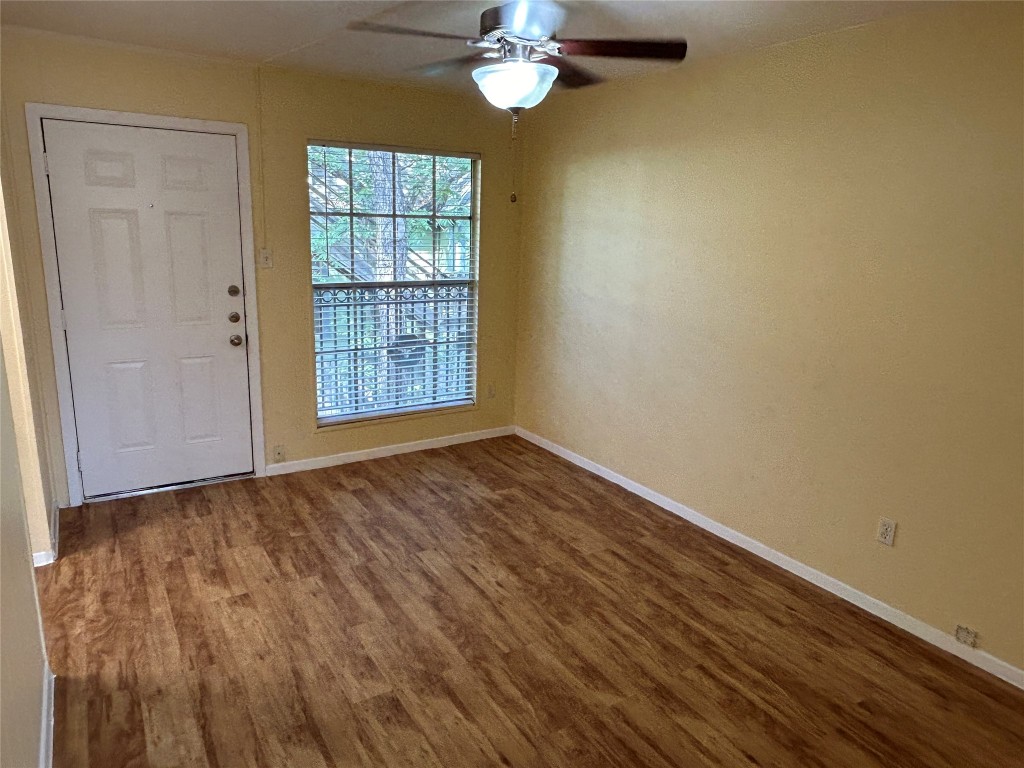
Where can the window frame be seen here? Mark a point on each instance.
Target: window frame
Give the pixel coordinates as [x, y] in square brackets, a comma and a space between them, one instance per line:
[473, 282]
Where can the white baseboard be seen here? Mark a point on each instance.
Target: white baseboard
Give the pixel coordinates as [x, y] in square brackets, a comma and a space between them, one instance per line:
[50, 555]
[46, 727]
[926, 632]
[320, 462]
[45, 557]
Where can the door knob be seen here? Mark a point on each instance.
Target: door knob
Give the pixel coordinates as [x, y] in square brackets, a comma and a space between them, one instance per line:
[233, 290]
[236, 340]
[234, 317]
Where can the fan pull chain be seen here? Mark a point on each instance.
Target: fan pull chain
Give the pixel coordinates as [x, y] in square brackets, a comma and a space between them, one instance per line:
[515, 152]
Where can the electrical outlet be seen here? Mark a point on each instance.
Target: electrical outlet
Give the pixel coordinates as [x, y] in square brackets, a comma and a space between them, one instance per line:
[966, 635]
[278, 453]
[886, 531]
[266, 258]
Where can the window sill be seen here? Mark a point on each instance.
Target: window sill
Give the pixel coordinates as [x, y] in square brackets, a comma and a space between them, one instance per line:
[346, 422]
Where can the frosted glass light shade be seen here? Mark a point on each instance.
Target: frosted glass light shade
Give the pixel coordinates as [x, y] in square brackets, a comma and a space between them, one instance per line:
[515, 84]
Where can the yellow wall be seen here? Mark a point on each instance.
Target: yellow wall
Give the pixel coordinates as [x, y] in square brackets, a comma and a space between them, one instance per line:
[297, 106]
[785, 289]
[23, 660]
[23, 383]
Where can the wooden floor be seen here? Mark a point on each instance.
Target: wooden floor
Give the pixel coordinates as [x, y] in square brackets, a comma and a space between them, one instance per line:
[481, 605]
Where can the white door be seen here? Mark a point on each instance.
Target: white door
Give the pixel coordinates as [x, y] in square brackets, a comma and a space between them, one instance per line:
[149, 252]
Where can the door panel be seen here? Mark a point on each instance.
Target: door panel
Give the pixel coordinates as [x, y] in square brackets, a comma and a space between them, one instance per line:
[201, 409]
[148, 241]
[117, 253]
[130, 406]
[189, 252]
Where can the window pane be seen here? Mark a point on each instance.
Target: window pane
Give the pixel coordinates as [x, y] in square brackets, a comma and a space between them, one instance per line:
[318, 247]
[339, 249]
[416, 241]
[454, 186]
[328, 178]
[335, 329]
[374, 248]
[373, 181]
[331, 245]
[454, 249]
[315, 163]
[415, 193]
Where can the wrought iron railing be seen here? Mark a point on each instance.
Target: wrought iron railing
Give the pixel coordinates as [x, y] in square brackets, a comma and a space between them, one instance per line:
[392, 346]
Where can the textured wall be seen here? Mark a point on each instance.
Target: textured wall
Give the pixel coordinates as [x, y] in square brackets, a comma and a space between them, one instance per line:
[23, 661]
[785, 289]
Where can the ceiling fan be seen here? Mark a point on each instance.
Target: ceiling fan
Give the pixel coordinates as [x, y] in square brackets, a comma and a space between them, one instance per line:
[523, 35]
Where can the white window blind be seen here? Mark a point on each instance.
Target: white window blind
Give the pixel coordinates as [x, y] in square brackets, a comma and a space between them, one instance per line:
[393, 247]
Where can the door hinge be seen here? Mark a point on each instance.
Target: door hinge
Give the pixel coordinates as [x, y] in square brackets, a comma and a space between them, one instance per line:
[46, 164]
[63, 320]
[78, 460]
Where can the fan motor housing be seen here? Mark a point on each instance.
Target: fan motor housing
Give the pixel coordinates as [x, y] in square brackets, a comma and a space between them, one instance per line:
[490, 21]
[522, 22]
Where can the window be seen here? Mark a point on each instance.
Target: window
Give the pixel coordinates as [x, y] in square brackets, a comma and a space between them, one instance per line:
[393, 247]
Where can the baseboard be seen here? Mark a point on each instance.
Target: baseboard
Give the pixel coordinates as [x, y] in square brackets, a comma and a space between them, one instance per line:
[46, 727]
[45, 557]
[320, 462]
[48, 556]
[916, 627]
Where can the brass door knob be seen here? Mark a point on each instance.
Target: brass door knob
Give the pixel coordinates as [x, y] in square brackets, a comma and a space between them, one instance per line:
[233, 290]
[236, 340]
[234, 317]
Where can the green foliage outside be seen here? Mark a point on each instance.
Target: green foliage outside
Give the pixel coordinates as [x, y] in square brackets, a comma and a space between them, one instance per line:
[353, 194]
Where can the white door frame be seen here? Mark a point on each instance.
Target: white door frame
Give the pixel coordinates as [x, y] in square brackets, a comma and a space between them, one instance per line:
[35, 114]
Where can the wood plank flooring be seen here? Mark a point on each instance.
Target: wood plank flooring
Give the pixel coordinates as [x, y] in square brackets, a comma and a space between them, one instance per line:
[482, 605]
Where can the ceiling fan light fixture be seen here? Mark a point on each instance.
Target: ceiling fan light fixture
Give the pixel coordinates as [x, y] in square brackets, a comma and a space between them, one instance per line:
[515, 84]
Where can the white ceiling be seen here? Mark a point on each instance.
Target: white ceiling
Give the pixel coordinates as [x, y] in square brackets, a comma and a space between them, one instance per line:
[312, 35]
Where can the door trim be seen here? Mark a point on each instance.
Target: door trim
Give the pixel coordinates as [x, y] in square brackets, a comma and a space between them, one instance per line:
[34, 115]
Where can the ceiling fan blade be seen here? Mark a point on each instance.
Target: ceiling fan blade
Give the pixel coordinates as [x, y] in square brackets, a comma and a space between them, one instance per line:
[570, 75]
[441, 68]
[388, 29]
[628, 49]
